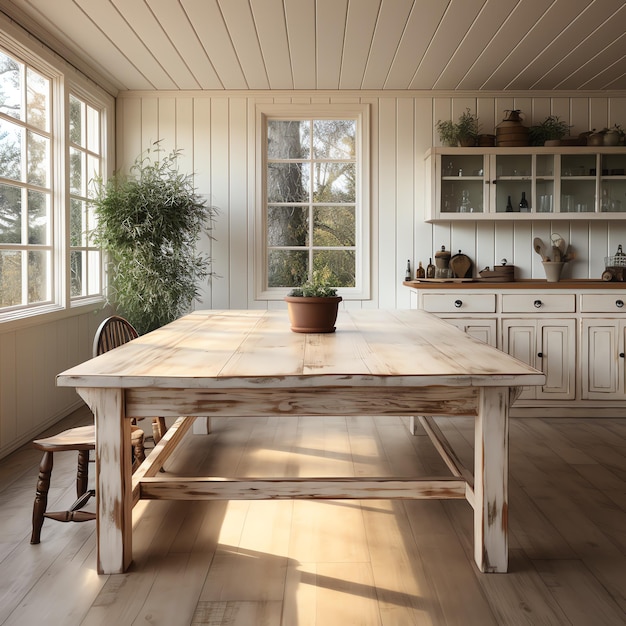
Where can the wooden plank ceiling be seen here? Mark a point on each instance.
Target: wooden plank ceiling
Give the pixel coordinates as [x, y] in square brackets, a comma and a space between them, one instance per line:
[336, 44]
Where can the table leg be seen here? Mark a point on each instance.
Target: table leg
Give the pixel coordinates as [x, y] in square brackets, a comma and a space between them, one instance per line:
[491, 475]
[113, 479]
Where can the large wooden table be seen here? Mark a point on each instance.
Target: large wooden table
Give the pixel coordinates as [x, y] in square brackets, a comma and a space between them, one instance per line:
[249, 363]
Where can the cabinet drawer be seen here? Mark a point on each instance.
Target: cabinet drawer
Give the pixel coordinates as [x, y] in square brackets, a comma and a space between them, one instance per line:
[459, 303]
[603, 303]
[539, 303]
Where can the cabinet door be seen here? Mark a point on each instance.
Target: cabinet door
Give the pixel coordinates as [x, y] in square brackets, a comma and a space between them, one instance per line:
[548, 345]
[601, 362]
[519, 339]
[483, 330]
[557, 359]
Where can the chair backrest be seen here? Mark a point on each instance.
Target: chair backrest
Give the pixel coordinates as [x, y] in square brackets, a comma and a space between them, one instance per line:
[113, 332]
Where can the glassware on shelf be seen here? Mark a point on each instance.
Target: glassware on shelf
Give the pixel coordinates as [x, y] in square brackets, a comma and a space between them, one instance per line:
[466, 205]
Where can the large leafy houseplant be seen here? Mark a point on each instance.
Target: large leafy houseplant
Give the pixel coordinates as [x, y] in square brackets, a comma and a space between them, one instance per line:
[148, 223]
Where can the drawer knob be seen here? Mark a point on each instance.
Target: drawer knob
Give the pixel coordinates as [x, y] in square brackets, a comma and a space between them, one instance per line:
[540, 355]
[538, 304]
[458, 303]
[621, 355]
[619, 303]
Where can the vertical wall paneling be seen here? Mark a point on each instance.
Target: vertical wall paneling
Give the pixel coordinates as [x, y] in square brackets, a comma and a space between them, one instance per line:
[391, 260]
[149, 124]
[405, 200]
[166, 115]
[8, 390]
[220, 173]
[598, 113]
[129, 126]
[423, 141]
[202, 177]
[239, 181]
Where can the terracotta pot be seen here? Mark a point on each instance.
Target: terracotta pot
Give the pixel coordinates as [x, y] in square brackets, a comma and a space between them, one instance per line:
[312, 315]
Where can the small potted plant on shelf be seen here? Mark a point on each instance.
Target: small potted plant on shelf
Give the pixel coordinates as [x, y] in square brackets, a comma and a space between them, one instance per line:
[313, 307]
[465, 132]
[549, 132]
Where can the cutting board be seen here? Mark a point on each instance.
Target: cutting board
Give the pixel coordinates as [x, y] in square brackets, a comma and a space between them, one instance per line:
[461, 265]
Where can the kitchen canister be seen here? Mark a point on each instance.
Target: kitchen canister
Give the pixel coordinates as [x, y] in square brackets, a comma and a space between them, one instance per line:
[510, 131]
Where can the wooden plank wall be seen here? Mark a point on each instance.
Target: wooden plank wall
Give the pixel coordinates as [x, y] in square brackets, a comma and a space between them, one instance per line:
[216, 132]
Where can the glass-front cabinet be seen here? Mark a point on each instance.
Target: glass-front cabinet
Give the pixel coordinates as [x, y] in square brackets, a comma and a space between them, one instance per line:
[543, 183]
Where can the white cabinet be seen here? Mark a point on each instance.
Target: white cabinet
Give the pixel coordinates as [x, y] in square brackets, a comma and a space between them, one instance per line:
[557, 183]
[549, 346]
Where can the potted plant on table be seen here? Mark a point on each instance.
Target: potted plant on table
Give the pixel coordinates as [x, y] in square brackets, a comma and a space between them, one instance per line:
[149, 222]
[313, 307]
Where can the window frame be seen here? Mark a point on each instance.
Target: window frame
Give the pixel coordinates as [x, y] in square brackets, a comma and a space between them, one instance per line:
[64, 80]
[361, 114]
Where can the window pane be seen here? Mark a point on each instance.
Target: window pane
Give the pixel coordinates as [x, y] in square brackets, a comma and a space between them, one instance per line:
[76, 121]
[38, 159]
[10, 278]
[287, 139]
[38, 276]
[10, 214]
[288, 182]
[38, 217]
[287, 268]
[287, 226]
[76, 222]
[93, 278]
[334, 226]
[76, 171]
[334, 182]
[334, 139]
[76, 273]
[342, 264]
[37, 95]
[10, 87]
[11, 157]
[93, 129]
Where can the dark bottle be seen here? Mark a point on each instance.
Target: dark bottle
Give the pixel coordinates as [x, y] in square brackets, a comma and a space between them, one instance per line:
[407, 275]
[420, 272]
[430, 269]
[509, 206]
[523, 203]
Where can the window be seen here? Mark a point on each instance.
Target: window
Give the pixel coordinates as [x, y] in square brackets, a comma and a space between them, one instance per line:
[313, 195]
[52, 131]
[85, 160]
[26, 233]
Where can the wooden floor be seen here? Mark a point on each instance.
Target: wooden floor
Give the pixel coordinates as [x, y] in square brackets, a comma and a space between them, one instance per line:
[336, 562]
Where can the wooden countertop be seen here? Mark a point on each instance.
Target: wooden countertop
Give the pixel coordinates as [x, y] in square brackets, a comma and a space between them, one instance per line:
[478, 283]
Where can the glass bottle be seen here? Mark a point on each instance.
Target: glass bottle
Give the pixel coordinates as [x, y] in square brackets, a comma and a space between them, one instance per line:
[509, 206]
[523, 203]
[430, 269]
[420, 272]
[466, 205]
[407, 275]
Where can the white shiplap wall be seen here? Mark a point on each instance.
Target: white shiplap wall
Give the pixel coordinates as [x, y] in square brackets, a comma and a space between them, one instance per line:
[216, 133]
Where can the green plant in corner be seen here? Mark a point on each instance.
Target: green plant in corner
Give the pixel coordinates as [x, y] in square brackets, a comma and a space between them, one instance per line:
[149, 222]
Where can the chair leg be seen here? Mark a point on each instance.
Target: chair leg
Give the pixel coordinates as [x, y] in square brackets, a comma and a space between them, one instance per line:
[41, 495]
[159, 428]
[82, 473]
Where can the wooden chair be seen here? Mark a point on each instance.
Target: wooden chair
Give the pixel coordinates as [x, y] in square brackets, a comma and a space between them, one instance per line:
[113, 332]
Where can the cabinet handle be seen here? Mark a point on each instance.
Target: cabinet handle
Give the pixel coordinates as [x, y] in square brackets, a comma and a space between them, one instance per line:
[619, 303]
[621, 355]
[540, 355]
[458, 303]
[538, 304]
